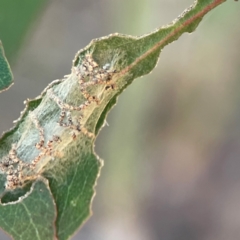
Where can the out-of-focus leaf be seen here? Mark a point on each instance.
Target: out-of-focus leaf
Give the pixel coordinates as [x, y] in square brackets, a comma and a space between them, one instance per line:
[17, 17]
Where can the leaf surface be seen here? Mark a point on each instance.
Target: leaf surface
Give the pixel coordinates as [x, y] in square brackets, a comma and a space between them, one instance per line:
[6, 77]
[31, 217]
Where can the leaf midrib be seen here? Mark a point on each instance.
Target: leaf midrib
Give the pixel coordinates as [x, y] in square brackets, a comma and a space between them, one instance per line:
[167, 38]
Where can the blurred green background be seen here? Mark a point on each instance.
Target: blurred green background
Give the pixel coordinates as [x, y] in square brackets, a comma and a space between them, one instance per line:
[172, 146]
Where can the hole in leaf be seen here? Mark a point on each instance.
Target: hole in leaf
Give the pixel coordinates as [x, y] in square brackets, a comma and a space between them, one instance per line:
[13, 196]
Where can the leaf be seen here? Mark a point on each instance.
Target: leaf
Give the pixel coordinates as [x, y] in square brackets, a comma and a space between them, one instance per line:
[31, 217]
[6, 77]
[54, 137]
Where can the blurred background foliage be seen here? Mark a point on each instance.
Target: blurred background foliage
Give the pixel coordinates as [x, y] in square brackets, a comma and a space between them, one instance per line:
[16, 19]
[172, 146]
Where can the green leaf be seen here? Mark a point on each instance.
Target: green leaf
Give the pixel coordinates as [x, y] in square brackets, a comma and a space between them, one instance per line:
[74, 196]
[54, 137]
[6, 77]
[31, 217]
